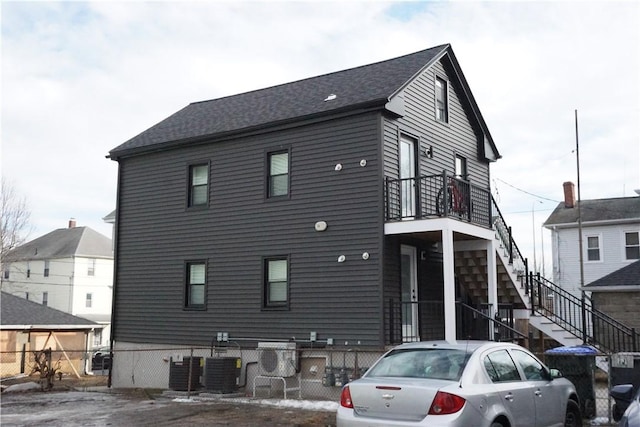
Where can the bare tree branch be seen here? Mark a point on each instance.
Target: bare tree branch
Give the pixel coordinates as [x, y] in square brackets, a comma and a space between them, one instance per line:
[15, 218]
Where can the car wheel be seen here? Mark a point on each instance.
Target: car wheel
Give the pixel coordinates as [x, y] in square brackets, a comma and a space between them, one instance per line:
[496, 424]
[572, 417]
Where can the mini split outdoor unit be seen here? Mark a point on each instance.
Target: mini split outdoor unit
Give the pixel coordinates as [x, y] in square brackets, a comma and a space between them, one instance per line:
[277, 359]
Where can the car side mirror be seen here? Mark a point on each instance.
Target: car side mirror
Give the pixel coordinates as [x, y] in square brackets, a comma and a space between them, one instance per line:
[622, 392]
[555, 373]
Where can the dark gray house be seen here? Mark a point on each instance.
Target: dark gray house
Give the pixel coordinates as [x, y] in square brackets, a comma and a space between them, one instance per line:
[348, 208]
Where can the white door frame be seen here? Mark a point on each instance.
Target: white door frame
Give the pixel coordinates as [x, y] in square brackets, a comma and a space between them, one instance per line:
[409, 292]
[408, 194]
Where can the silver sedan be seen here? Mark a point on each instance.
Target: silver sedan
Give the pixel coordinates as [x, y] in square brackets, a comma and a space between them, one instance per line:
[464, 384]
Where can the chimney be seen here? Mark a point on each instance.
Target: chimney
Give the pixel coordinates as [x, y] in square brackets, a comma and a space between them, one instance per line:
[72, 223]
[569, 194]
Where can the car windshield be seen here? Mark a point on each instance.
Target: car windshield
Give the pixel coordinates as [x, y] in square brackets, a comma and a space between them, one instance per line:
[440, 363]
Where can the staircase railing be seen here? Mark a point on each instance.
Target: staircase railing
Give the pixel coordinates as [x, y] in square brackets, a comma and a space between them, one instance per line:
[481, 323]
[578, 317]
[503, 231]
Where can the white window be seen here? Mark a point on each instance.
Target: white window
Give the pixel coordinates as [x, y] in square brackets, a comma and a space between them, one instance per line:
[91, 270]
[593, 248]
[198, 185]
[196, 285]
[632, 245]
[46, 268]
[45, 298]
[278, 178]
[89, 300]
[276, 282]
[442, 101]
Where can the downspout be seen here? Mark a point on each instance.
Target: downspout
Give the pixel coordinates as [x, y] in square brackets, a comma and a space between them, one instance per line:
[114, 292]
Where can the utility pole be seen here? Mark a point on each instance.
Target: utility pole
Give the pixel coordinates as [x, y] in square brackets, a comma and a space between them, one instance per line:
[582, 292]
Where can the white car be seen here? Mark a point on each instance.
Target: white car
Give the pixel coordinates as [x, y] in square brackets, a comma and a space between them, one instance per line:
[463, 384]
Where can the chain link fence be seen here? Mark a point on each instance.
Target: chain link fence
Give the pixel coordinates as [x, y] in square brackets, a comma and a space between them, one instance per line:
[280, 370]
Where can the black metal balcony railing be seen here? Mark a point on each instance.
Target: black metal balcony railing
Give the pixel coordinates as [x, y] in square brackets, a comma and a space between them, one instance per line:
[424, 320]
[427, 197]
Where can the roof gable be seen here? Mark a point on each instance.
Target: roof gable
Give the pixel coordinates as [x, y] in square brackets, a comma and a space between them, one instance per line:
[367, 86]
[64, 243]
[612, 209]
[18, 311]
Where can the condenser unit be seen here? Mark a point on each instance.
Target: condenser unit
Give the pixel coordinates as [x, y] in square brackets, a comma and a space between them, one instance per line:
[277, 359]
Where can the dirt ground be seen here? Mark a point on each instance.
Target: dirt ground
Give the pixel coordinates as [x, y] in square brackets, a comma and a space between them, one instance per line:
[87, 402]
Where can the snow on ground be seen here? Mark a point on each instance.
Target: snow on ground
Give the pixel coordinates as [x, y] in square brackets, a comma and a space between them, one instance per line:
[310, 405]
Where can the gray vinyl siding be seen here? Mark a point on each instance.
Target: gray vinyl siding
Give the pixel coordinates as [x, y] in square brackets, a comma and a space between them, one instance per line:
[447, 139]
[157, 234]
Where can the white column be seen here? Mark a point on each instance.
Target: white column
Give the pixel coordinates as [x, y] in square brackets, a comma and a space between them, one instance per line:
[449, 285]
[492, 282]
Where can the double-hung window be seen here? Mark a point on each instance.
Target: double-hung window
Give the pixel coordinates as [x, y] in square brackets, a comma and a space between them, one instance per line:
[45, 298]
[89, 300]
[593, 248]
[461, 167]
[276, 282]
[278, 173]
[46, 268]
[632, 245]
[196, 285]
[91, 267]
[442, 101]
[198, 185]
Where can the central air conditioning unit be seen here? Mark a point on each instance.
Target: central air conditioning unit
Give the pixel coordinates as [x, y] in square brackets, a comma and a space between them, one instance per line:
[277, 359]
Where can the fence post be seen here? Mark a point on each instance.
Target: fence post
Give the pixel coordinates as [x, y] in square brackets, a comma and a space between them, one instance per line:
[583, 306]
[190, 373]
[634, 341]
[526, 278]
[532, 296]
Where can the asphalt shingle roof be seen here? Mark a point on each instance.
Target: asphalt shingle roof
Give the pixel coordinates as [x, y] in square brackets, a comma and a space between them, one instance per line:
[362, 86]
[626, 276]
[18, 311]
[64, 243]
[621, 208]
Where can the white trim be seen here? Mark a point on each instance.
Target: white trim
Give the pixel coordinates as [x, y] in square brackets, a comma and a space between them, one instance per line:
[438, 224]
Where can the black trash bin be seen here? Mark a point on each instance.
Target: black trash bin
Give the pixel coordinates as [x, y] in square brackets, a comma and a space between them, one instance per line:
[578, 365]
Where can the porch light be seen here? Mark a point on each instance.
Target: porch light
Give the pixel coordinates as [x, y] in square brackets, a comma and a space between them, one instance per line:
[320, 226]
[365, 255]
[363, 162]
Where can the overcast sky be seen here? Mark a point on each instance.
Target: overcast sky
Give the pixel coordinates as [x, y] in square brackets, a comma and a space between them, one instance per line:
[79, 79]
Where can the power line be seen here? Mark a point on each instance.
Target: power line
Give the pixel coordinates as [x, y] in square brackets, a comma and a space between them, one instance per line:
[527, 192]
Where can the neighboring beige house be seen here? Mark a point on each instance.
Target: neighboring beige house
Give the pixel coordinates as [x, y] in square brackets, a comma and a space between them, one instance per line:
[69, 269]
[27, 327]
[610, 238]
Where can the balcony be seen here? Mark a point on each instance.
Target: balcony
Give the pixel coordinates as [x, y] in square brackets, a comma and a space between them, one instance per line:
[427, 197]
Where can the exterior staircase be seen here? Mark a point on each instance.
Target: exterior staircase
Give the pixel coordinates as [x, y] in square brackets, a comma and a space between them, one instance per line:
[569, 320]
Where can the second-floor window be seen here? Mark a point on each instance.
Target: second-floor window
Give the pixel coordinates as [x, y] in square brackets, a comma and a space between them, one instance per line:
[442, 101]
[461, 167]
[196, 285]
[593, 248]
[632, 245]
[45, 298]
[89, 300]
[91, 269]
[28, 270]
[6, 271]
[198, 185]
[276, 282]
[46, 268]
[278, 175]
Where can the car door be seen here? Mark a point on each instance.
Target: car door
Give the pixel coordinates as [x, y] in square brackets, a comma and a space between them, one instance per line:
[513, 392]
[549, 402]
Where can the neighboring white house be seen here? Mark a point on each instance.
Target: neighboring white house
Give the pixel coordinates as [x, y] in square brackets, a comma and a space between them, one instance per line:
[610, 238]
[69, 269]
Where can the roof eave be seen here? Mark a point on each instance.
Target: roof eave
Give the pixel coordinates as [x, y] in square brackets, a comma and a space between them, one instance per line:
[377, 104]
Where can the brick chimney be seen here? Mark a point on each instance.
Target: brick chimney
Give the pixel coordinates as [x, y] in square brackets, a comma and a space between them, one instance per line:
[72, 223]
[569, 194]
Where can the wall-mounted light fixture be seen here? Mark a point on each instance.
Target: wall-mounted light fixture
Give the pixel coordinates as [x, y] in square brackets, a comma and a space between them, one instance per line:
[338, 167]
[428, 152]
[342, 258]
[365, 255]
[363, 162]
[320, 226]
